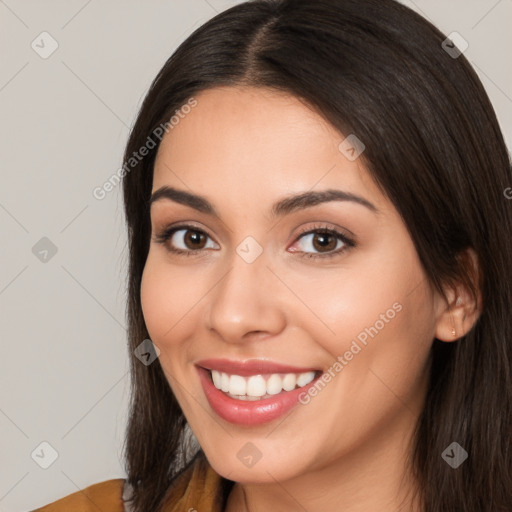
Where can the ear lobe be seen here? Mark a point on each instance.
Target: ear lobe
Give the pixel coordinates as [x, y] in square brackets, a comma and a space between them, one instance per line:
[462, 311]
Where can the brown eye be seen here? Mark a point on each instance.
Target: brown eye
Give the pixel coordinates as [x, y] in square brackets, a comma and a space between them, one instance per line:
[185, 239]
[321, 242]
[324, 242]
[194, 239]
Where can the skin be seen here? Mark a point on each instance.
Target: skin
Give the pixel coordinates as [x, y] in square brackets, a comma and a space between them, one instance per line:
[244, 149]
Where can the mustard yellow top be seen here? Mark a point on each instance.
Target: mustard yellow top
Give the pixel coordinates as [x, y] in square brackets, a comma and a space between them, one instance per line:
[199, 488]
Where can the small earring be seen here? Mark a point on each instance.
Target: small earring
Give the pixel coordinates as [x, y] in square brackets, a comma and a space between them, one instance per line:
[453, 332]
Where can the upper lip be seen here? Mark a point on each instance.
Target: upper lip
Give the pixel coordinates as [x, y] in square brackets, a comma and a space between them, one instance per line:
[250, 367]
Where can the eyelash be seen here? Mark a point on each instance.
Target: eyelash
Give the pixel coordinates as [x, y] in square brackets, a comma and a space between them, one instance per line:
[166, 234]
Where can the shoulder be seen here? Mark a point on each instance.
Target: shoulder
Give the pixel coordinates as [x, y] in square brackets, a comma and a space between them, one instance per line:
[106, 496]
[198, 487]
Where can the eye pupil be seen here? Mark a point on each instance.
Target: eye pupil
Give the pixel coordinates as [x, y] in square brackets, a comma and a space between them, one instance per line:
[321, 241]
[194, 237]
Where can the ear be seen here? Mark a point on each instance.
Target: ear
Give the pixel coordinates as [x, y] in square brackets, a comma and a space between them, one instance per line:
[457, 316]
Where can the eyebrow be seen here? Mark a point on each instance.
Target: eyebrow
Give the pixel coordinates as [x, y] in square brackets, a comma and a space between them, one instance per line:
[282, 207]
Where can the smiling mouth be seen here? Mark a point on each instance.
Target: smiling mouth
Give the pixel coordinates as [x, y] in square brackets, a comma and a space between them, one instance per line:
[261, 386]
[253, 392]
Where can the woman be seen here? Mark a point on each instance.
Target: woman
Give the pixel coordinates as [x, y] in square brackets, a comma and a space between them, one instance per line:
[320, 279]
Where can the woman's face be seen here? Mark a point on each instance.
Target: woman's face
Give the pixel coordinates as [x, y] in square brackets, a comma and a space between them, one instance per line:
[270, 290]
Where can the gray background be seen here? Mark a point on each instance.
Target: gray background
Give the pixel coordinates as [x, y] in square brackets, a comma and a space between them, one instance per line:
[64, 121]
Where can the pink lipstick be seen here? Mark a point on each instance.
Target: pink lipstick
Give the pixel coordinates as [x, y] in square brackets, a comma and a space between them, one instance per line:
[253, 392]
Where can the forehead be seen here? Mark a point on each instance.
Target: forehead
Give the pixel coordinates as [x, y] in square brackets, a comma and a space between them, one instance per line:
[247, 142]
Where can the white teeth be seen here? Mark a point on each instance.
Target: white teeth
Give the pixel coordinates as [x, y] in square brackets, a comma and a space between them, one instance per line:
[224, 382]
[305, 378]
[245, 397]
[237, 385]
[255, 386]
[274, 385]
[217, 380]
[289, 381]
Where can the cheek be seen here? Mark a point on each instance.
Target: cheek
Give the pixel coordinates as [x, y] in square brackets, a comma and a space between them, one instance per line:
[168, 298]
[343, 304]
[384, 340]
[377, 313]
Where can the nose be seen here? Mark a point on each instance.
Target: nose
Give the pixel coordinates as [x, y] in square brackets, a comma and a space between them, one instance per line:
[248, 301]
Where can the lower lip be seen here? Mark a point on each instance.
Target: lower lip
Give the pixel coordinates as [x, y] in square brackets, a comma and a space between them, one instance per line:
[245, 412]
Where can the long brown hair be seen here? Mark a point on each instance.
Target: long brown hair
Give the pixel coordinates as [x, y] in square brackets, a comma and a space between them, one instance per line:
[433, 146]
